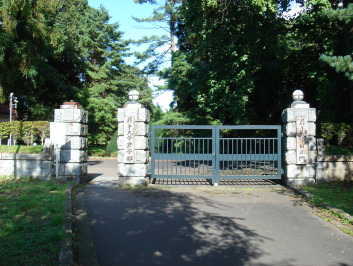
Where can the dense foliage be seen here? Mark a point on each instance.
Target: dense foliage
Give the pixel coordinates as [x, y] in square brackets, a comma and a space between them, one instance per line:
[235, 61]
[54, 51]
[239, 61]
[337, 134]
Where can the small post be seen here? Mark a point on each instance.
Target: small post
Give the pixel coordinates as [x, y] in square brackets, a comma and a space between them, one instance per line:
[57, 161]
[12, 104]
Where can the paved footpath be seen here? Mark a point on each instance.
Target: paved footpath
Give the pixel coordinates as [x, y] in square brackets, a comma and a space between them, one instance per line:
[201, 226]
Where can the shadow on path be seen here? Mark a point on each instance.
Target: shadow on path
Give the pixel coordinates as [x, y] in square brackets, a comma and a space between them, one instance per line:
[150, 227]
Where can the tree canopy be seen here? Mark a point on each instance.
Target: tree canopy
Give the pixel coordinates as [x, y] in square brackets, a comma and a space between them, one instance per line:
[54, 51]
[239, 61]
[233, 62]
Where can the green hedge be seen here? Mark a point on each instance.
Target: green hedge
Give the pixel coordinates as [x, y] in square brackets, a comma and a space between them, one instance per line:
[21, 149]
[27, 131]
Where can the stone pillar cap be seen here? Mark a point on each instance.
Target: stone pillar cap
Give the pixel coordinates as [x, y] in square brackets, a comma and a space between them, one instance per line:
[134, 96]
[70, 105]
[298, 96]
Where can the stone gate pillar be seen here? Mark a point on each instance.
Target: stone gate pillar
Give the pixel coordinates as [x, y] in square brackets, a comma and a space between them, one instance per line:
[299, 141]
[132, 141]
[68, 135]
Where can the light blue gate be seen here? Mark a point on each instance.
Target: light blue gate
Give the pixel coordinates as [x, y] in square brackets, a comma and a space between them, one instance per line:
[216, 153]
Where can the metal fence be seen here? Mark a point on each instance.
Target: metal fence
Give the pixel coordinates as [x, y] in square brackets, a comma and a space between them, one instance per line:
[216, 152]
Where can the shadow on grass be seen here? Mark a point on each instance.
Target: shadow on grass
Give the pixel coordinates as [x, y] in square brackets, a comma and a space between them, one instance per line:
[147, 226]
[31, 221]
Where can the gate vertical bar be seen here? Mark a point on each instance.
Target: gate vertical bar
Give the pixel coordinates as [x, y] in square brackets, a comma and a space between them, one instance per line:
[152, 147]
[279, 150]
[215, 152]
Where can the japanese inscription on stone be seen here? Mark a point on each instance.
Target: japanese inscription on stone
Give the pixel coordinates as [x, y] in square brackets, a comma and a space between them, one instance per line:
[302, 146]
[130, 137]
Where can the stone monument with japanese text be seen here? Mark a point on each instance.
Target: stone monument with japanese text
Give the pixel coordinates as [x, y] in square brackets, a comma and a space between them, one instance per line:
[300, 149]
[132, 141]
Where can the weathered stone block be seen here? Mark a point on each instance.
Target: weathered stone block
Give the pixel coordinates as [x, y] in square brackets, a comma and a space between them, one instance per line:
[130, 170]
[300, 171]
[291, 114]
[291, 129]
[133, 180]
[141, 156]
[334, 168]
[140, 113]
[71, 115]
[291, 157]
[25, 168]
[75, 143]
[57, 133]
[140, 143]
[299, 182]
[76, 129]
[120, 115]
[311, 141]
[34, 168]
[73, 169]
[320, 149]
[143, 115]
[73, 156]
[290, 143]
[141, 129]
[6, 167]
[19, 156]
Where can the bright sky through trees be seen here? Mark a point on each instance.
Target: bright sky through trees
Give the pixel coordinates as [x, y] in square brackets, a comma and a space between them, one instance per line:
[122, 12]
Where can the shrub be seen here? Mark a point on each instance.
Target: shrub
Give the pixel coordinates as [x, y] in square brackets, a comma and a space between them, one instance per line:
[337, 134]
[26, 132]
[112, 146]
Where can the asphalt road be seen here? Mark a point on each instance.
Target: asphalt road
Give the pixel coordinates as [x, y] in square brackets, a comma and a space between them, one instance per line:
[102, 168]
[202, 225]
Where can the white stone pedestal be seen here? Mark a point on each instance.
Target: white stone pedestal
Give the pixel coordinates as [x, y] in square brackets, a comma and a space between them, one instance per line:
[132, 141]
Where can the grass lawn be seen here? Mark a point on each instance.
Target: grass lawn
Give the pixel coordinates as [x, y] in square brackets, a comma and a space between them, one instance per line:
[338, 195]
[21, 149]
[32, 214]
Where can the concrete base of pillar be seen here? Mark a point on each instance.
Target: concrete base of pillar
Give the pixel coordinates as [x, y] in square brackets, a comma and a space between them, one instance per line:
[132, 180]
[297, 182]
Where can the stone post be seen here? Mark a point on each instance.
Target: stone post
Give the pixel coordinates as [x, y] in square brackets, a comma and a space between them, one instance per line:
[132, 141]
[68, 134]
[300, 151]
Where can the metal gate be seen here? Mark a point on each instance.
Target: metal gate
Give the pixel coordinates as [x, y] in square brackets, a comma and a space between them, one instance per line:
[215, 153]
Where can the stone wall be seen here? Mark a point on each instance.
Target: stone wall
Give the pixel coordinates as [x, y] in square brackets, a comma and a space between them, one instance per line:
[68, 141]
[332, 167]
[335, 168]
[26, 165]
